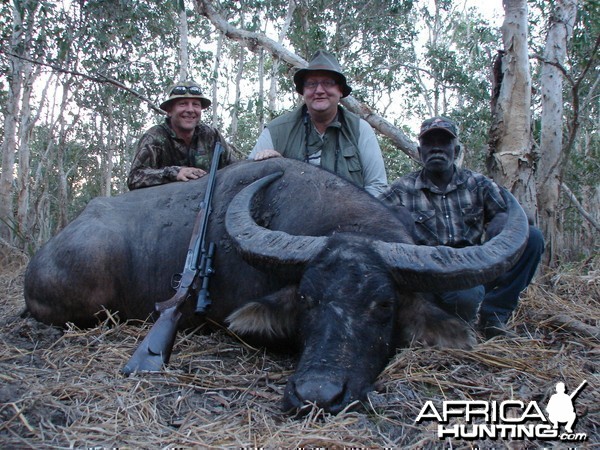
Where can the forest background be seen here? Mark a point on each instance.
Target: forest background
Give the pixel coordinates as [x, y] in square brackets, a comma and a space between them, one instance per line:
[80, 81]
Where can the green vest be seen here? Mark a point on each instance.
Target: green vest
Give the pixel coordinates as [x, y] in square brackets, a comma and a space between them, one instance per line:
[339, 145]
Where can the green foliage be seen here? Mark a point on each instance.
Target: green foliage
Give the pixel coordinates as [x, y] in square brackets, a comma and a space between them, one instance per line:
[405, 59]
[396, 162]
[247, 126]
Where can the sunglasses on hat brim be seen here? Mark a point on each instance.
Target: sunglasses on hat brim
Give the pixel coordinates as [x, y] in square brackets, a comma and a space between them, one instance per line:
[182, 90]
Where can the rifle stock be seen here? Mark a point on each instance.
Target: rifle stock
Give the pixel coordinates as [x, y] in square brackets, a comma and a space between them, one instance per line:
[155, 350]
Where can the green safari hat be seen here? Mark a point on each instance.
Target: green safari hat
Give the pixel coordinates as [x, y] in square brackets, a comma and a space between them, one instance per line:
[322, 60]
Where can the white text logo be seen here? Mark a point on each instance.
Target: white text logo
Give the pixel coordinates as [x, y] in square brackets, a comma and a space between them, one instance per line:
[510, 419]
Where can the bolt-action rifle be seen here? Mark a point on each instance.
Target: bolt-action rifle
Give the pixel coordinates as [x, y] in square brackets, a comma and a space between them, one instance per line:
[155, 349]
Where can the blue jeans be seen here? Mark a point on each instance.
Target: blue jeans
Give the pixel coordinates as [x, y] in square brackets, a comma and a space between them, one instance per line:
[498, 299]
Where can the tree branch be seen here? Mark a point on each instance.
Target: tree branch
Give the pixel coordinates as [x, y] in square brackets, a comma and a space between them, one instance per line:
[579, 207]
[97, 78]
[255, 40]
[573, 126]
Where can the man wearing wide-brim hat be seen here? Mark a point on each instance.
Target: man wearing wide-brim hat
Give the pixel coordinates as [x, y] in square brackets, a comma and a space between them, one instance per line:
[322, 132]
[180, 148]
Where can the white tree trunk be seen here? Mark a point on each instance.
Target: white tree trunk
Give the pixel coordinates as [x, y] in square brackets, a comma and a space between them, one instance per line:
[260, 108]
[26, 125]
[276, 61]
[183, 43]
[510, 161]
[39, 202]
[64, 129]
[215, 77]
[549, 176]
[9, 140]
[108, 142]
[235, 111]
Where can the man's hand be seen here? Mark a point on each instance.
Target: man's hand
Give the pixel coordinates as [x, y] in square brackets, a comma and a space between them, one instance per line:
[266, 154]
[190, 173]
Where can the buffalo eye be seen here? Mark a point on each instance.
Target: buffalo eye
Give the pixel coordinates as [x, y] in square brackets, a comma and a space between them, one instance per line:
[308, 301]
[383, 308]
[385, 304]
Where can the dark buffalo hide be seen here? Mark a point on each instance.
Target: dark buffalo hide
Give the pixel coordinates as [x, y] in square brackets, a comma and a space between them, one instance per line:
[303, 259]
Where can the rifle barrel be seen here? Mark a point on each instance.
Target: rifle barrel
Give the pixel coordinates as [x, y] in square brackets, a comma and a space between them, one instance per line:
[576, 391]
[155, 349]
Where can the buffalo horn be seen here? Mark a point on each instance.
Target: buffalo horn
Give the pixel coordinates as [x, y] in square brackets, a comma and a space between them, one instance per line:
[419, 267]
[264, 247]
[425, 268]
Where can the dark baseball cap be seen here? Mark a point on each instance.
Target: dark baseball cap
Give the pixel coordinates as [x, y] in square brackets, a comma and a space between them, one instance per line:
[438, 123]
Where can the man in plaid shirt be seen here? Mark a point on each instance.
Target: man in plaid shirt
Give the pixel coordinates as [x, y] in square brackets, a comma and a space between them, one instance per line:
[458, 207]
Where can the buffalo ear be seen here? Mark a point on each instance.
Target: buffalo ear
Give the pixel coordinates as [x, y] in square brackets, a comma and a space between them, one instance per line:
[270, 317]
[422, 321]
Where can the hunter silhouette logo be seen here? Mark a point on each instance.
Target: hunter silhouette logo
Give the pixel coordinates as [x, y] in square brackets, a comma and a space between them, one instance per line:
[509, 419]
[560, 407]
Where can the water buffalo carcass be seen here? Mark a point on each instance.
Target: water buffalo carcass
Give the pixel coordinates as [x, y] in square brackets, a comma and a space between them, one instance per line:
[305, 259]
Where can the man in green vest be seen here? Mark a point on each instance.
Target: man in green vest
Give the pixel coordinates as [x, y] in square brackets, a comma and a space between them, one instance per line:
[322, 132]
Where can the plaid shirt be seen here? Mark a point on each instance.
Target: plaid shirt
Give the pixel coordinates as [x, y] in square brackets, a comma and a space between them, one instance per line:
[455, 217]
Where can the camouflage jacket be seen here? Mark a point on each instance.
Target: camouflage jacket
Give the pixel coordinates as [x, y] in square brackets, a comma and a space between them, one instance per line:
[160, 154]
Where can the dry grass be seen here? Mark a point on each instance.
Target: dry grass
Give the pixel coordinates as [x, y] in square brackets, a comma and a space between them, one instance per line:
[64, 390]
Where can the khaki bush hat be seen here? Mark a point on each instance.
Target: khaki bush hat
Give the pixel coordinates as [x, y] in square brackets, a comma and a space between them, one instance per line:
[185, 89]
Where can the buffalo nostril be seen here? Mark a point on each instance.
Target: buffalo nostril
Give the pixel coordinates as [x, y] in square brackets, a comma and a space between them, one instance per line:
[322, 393]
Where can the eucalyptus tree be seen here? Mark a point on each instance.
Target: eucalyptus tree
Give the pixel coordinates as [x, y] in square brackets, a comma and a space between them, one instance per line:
[451, 73]
[100, 52]
[580, 216]
[510, 159]
[5, 37]
[106, 64]
[238, 72]
[566, 116]
[560, 30]
[27, 16]
[98, 47]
